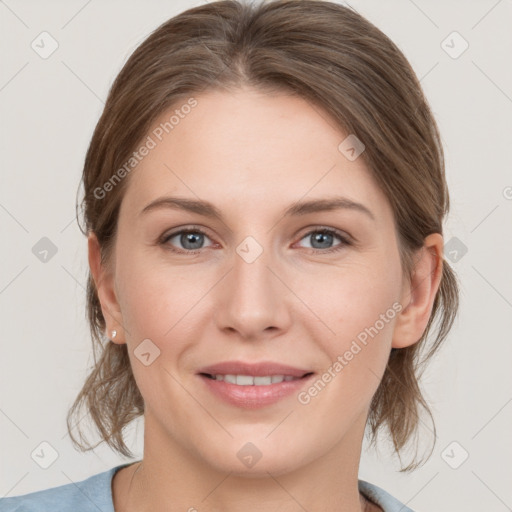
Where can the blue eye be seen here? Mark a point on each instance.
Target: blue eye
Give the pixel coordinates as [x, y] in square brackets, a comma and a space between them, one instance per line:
[192, 240]
[323, 238]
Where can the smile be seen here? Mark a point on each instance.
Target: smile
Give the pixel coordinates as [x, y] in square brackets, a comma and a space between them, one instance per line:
[249, 380]
[251, 385]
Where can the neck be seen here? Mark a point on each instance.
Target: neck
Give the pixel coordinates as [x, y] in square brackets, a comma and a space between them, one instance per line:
[176, 476]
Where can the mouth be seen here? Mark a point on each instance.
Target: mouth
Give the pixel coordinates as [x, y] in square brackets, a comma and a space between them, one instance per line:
[253, 380]
[253, 385]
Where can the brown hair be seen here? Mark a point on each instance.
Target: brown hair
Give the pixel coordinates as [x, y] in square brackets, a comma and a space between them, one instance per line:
[332, 57]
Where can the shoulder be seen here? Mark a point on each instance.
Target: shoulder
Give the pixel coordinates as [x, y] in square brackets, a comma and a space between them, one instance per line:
[91, 495]
[382, 498]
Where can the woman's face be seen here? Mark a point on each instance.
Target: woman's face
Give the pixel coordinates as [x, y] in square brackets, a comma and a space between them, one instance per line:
[255, 284]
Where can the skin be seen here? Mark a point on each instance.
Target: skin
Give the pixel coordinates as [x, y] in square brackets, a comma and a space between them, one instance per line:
[252, 154]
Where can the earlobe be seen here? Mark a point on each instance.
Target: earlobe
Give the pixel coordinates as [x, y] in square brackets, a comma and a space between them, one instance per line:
[420, 293]
[104, 282]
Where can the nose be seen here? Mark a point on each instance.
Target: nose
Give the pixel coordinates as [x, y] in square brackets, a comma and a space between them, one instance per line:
[254, 298]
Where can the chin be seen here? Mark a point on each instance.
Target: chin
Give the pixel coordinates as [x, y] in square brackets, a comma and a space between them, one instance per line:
[255, 460]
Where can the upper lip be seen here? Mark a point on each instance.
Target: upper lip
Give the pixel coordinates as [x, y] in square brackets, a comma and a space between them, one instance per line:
[261, 369]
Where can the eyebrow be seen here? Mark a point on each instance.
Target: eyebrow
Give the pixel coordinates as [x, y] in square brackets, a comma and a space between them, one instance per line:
[298, 208]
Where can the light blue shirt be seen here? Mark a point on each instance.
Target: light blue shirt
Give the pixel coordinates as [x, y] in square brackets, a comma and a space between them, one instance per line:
[95, 495]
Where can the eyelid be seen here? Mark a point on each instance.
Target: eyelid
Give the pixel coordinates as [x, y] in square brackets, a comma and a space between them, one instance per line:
[346, 240]
[180, 229]
[319, 228]
[344, 237]
[163, 239]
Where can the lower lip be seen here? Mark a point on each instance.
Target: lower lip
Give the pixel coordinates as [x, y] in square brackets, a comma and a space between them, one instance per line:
[254, 397]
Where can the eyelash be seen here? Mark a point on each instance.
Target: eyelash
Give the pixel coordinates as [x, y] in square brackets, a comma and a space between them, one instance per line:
[330, 231]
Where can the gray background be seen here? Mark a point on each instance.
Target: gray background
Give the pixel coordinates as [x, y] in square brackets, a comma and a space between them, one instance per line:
[49, 108]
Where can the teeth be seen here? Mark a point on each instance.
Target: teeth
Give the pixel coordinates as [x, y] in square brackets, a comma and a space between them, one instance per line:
[249, 380]
[244, 380]
[262, 381]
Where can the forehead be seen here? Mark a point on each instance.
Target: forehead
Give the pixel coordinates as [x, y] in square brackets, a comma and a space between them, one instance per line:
[255, 148]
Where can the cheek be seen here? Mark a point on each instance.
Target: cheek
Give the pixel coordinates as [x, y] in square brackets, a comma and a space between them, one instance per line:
[155, 296]
[361, 308]
[358, 306]
[156, 303]
[165, 305]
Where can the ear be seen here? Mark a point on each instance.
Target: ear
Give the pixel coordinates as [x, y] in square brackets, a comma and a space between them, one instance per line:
[104, 281]
[419, 293]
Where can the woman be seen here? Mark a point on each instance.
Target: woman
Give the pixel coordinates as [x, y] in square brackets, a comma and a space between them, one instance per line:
[264, 198]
